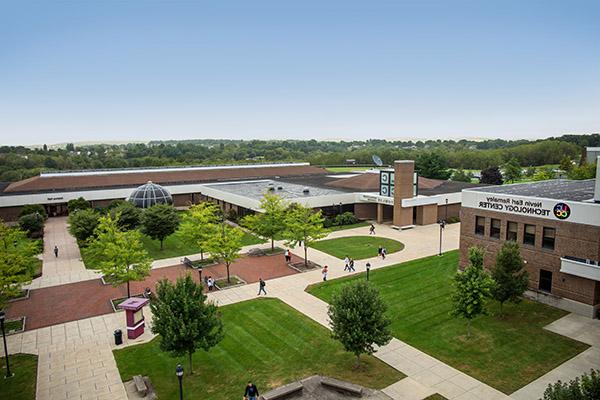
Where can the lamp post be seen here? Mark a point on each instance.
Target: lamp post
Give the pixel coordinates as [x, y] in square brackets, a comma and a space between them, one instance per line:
[179, 373]
[368, 269]
[442, 226]
[2, 317]
[200, 274]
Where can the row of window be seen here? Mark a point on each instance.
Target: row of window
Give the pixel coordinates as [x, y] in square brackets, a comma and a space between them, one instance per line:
[548, 234]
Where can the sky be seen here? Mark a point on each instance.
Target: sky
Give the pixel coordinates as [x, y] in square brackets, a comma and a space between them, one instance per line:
[105, 71]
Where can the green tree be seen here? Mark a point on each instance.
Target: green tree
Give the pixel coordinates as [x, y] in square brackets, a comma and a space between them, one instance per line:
[472, 287]
[509, 275]
[585, 171]
[529, 171]
[16, 261]
[33, 224]
[461, 176]
[130, 216]
[432, 165]
[358, 319]
[199, 225]
[82, 224]
[160, 221]
[78, 204]
[491, 176]
[512, 170]
[566, 164]
[543, 174]
[184, 319]
[304, 225]
[121, 255]
[225, 245]
[271, 222]
[586, 387]
[33, 209]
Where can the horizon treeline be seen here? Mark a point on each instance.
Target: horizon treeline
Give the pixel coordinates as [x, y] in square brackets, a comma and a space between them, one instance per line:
[20, 162]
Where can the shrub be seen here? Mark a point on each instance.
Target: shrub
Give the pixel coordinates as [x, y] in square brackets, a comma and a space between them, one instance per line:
[82, 224]
[587, 387]
[33, 224]
[78, 204]
[32, 209]
[346, 218]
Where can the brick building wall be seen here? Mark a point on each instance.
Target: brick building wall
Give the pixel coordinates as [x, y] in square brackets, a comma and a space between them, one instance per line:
[571, 239]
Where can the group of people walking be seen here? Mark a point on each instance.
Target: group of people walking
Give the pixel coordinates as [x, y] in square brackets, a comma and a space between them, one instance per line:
[381, 252]
[349, 264]
[210, 283]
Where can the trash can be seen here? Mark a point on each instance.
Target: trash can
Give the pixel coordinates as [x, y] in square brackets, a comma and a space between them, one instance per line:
[118, 337]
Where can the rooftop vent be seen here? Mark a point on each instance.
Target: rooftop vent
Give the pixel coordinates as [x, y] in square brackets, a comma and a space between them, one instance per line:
[306, 191]
[279, 187]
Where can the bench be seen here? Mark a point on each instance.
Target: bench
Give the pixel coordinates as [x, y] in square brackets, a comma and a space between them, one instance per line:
[255, 252]
[282, 392]
[187, 262]
[343, 387]
[140, 385]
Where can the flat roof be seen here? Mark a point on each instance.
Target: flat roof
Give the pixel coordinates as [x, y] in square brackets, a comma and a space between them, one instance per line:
[287, 190]
[556, 189]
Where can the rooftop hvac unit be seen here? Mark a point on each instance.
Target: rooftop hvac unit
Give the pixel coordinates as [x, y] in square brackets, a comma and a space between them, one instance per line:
[306, 191]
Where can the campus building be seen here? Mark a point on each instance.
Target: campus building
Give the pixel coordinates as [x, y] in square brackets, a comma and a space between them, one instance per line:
[556, 223]
[393, 195]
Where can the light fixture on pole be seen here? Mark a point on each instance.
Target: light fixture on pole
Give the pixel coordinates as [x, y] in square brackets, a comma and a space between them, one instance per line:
[442, 226]
[368, 269]
[179, 373]
[2, 317]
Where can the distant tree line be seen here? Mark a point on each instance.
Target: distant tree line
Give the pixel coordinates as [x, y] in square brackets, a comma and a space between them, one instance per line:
[19, 162]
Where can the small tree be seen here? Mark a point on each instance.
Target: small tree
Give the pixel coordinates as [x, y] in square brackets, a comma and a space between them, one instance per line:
[33, 209]
[82, 224]
[472, 287]
[512, 170]
[199, 225]
[543, 174]
[530, 171]
[271, 222]
[304, 225]
[33, 224]
[491, 176]
[121, 255]
[566, 164]
[461, 176]
[585, 171]
[358, 320]
[184, 319]
[586, 387]
[16, 261]
[509, 275]
[78, 204]
[225, 245]
[160, 221]
[129, 215]
[432, 165]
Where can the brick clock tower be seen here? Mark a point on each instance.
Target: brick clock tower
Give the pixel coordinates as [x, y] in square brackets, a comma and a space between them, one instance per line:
[404, 172]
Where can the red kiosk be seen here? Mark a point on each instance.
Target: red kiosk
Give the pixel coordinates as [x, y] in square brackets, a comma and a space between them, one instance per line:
[134, 316]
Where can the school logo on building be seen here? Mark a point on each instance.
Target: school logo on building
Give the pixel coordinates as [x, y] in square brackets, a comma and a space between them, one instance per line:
[562, 211]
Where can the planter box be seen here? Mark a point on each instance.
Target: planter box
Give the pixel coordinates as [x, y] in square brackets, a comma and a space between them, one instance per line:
[20, 327]
[24, 296]
[236, 281]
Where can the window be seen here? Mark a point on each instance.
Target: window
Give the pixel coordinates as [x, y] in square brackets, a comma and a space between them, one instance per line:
[511, 231]
[529, 235]
[479, 225]
[545, 280]
[548, 238]
[495, 228]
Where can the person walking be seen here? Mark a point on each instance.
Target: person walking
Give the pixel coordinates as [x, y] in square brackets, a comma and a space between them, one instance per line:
[324, 272]
[210, 283]
[383, 253]
[251, 392]
[286, 253]
[346, 263]
[56, 251]
[351, 266]
[379, 251]
[372, 229]
[261, 286]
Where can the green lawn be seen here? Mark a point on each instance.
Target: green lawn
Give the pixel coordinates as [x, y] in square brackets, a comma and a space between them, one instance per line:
[351, 226]
[265, 341]
[22, 385]
[357, 247]
[505, 352]
[173, 246]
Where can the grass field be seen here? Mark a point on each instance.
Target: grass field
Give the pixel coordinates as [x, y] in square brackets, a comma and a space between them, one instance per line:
[265, 341]
[22, 385]
[357, 247]
[173, 246]
[504, 352]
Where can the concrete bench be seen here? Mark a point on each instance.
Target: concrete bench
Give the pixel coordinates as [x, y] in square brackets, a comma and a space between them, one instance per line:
[340, 386]
[140, 385]
[282, 392]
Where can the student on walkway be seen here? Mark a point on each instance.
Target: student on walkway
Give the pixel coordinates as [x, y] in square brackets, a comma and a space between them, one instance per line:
[379, 251]
[286, 253]
[324, 272]
[383, 253]
[346, 263]
[372, 229]
[210, 283]
[351, 265]
[55, 251]
[261, 286]
[251, 392]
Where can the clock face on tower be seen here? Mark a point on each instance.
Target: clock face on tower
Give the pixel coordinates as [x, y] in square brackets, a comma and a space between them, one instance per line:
[384, 190]
[386, 183]
[385, 178]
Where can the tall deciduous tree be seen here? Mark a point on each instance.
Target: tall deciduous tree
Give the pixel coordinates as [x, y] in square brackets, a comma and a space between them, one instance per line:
[491, 176]
[461, 176]
[472, 288]
[78, 204]
[512, 170]
[16, 261]
[184, 319]
[83, 223]
[121, 255]
[130, 217]
[510, 277]
[199, 225]
[271, 222]
[358, 319]
[304, 225]
[160, 221]
[432, 165]
[225, 245]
